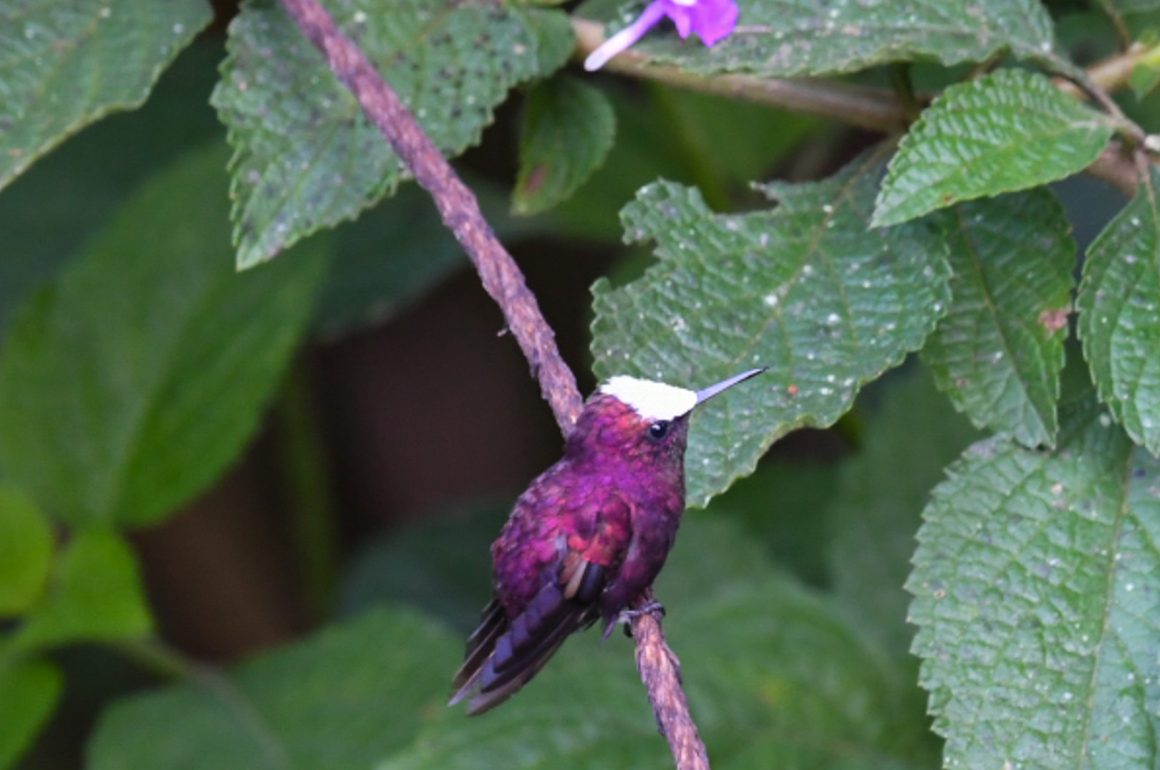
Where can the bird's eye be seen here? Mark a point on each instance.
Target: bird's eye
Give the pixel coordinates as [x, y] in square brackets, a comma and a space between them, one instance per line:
[658, 430]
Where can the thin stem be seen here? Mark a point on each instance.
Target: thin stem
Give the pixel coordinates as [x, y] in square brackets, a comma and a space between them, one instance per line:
[498, 272]
[159, 659]
[1097, 82]
[1114, 72]
[169, 663]
[310, 502]
[1144, 166]
[1113, 13]
[1119, 168]
[704, 173]
[1107, 75]
[904, 90]
[502, 279]
[1125, 125]
[872, 108]
[660, 670]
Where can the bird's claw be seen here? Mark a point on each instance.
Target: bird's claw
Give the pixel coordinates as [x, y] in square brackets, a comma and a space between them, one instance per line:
[652, 607]
[626, 616]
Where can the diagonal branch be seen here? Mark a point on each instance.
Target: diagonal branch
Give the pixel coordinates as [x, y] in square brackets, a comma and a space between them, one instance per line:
[498, 272]
[873, 109]
[661, 673]
[502, 279]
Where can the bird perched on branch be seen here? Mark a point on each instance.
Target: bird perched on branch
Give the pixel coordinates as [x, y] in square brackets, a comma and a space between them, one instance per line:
[588, 536]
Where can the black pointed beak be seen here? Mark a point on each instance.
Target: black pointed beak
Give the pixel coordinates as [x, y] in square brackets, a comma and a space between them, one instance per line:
[720, 387]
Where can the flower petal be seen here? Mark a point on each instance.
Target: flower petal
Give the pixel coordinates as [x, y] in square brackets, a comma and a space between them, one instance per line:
[711, 20]
[683, 15]
[653, 13]
[714, 20]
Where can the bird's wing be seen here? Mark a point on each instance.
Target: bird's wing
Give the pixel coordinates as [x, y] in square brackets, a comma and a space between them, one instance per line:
[530, 641]
[502, 655]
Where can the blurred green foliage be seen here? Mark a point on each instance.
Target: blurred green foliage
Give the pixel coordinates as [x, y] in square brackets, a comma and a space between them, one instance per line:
[136, 366]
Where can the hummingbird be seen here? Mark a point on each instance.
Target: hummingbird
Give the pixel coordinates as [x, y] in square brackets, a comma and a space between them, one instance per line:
[588, 536]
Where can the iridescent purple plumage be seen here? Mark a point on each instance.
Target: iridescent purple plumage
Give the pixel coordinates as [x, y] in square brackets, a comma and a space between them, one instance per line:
[587, 537]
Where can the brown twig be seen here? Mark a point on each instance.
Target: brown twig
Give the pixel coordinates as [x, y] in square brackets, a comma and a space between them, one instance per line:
[1110, 74]
[502, 279]
[660, 670]
[1114, 72]
[1098, 81]
[1119, 168]
[871, 108]
[874, 109]
[498, 272]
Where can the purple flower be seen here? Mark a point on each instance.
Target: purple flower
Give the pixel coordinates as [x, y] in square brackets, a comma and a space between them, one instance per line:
[712, 20]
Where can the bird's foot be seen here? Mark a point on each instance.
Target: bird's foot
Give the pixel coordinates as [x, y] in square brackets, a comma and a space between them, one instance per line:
[626, 616]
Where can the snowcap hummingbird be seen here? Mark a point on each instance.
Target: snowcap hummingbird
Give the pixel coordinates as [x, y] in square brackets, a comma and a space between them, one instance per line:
[588, 536]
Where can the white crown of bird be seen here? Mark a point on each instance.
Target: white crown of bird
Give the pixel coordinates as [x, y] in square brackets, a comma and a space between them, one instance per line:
[650, 400]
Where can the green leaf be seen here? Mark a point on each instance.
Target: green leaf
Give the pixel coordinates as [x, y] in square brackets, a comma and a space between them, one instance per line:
[64, 64]
[601, 726]
[1144, 26]
[783, 38]
[805, 289]
[709, 141]
[56, 205]
[879, 497]
[25, 552]
[999, 351]
[306, 157]
[1119, 315]
[1144, 79]
[1006, 131]
[712, 555]
[567, 132]
[1146, 71]
[139, 376]
[1036, 587]
[95, 594]
[797, 489]
[341, 699]
[794, 683]
[400, 250]
[384, 261]
[442, 566]
[554, 38]
[29, 691]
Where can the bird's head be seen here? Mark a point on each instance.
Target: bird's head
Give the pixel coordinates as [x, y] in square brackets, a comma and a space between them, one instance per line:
[641, 421]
